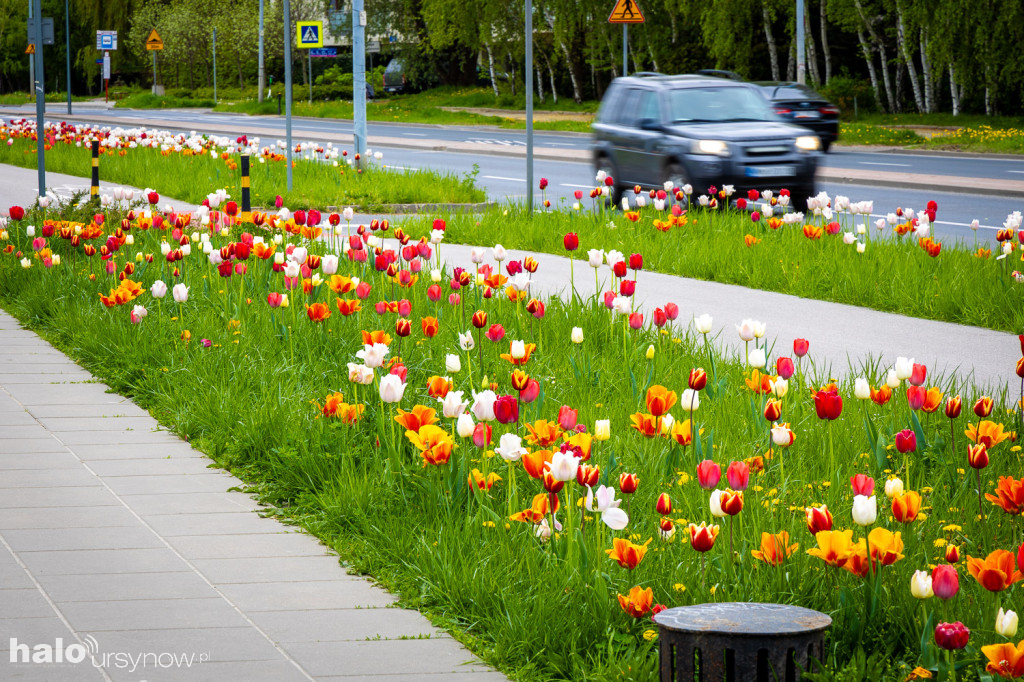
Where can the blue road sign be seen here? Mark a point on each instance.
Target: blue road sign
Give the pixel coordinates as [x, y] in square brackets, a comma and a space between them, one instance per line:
[100, 60]
[323, 52]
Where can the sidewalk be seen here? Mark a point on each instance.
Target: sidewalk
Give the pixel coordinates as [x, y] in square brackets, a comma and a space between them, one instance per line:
[117, 537]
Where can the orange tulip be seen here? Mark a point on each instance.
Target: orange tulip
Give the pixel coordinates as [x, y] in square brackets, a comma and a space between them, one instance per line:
[647, 424]
[481, 482]
[1009, 495]
[881, 396]
[430, 327]
[540, 508]
[660, 400]
[759, 383]
[433, 442]
[774, 548]
[857, 562]
[438, 387]
[813, 231]
[419, 417]
[520, 379]
[988, 433]
[885, 546]
[346, 307]
[905, 507]
[773, 410]
[932, 400]
[626, 553]
[996, 572]
[1005, 660]
[543, 433]
[834, 546]
[638, 602]
[702, 537]
[370, 338]
[318, 312]
[340, 284]
[682, 432]
[582, 441]
[536, 462]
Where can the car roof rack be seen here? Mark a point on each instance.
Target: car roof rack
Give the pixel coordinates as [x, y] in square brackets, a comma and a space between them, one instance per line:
[646, 74]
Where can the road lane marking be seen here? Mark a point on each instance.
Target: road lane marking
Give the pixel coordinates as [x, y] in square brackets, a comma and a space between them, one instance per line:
[500, 177]
[946, 222]
[876, 163]
[1021, 172]
[415, 134]
[569, 184]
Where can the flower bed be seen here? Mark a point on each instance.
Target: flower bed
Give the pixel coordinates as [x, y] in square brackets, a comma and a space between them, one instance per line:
[542, 475]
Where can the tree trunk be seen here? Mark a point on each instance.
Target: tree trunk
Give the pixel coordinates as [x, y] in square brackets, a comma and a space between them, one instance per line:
[577, 93]
[908, 59]
[880, 46]
[870, 59]
[826, 52]
[791, 62]
[613, 55]
[930, 104]
[812, 48]
[540, 86]
[900, 74]
[650, 51]
[551, 76]
[954, 90]
[490, 66]
[773, 51]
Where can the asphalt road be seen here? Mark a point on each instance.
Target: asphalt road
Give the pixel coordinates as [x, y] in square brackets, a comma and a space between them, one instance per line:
[503, 177]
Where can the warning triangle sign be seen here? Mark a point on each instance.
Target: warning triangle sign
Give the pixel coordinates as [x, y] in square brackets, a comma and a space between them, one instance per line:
[31, 49]
[154, 41]
[626, 12]
[309, 35]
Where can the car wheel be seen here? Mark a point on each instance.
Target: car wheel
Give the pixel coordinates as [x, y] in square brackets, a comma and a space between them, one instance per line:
[615, 191]
[825, 146]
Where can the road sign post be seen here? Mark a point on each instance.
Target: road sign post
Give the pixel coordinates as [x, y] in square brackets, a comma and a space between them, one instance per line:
[39, 86]
[67, 50]
[625, 12]
[288, 87]
[359, 76]
[529, 107]
[154, 43]
[106, 76]
[801, 61]
[215, 67]
[309, 58]
[262, 79]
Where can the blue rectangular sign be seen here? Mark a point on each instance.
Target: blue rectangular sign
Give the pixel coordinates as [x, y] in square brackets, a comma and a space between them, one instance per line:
[323, 52]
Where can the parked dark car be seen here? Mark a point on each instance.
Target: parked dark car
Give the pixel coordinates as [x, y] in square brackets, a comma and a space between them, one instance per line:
[701, 131]
[394, 77]
[803, 106]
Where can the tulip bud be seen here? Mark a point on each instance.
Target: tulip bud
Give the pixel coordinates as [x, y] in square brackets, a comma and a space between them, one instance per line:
[1006, 623]
[865, 510]
[818, 519]
[945, 581]
[977, 456]
[628, 483]
[772, 410]
[664, 505]
[952, 636]
[893, 488]
[698, 379]
[602, 429]
[715, 504]
[666, 529]
[577, 335]
[906, 441]
[921, 585]
[862, 389]
[465, 426]
[738, 475]
[983, 407]
[708, 474]
[953, 406]
[650, 352]
[952, 554]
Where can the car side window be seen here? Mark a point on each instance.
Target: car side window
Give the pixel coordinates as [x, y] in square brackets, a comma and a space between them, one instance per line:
[626, 113]
[609, 104]
[648, 107]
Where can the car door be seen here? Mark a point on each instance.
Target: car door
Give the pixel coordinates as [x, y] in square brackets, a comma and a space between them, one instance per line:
[621, 134]
[645, 161]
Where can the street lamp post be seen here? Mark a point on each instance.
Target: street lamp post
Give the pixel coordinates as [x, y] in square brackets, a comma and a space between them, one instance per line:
[529, 107]
[67, 49]
[288, 87]
[262, 71]
[39, 86]
[801, 61]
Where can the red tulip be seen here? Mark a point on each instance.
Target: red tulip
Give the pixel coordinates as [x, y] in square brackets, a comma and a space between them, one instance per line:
[862, 485]
[299, 217]
[578, 194]
[636, 262]
[627, 287]
[671, 311]
[916, 396]
[906, 441]
[543, 183]
[506, 409]
[1020, 558]
[480, 319]
[738, 475]
[818, 519]
[983, 407]
[567, 418]
[609, 181]
[571, 241]
[482, 435]
[800, 347]
[708, 474]
[698, 379]
[434, 293]
[628, 483]
[530, 393]
[828, 404]
[153, 197]
[439, 224]
[636, 320]
[917, 374]
[784, 367]
[977, 456]
[755, 217]
[753, 194]
[619, 269]
[664, 504]
[945, 581]
[17, 213]
[495, 333]
[274, 299]
[659, 317]
[953, 407]
[951, 636]
[588, 475]
[741, 204]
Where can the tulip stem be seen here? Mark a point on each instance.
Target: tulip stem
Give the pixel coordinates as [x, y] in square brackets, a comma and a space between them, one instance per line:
[977, 473]
[952, 665]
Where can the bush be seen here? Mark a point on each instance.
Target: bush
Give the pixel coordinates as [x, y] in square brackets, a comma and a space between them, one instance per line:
[843, 90]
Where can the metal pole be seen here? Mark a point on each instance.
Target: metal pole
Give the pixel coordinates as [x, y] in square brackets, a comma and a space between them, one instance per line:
[263, 72]
[39, 86]
[94, 186]
[359, 77]
[31, 58]
[288, 86]
[625, 49]
[67, 49]
[801, 63]
[309, 53]
[215, 66]
[154, 71]
[529, 107]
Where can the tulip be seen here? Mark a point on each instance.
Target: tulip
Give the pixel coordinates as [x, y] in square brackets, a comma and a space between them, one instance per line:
[510, 447]
[452, 404]
[698, 379]
[865, 510]
[602, 429]
[905, 507]
[772, 410]
[702, 323]
[906, 441]
[481, 434]
[952, 636]
[862, 389]
[506, 409]
[738, 475]
[715, 503]
[916, 396]
[391, 389]
[828, 404]
[1006, 623]
[818, 519]
[664, 504]
[179, 293]
[571, 241]
[977, 456]
[784, 367]
[530, 393]
[952, 554]
[921, 585]
[567, 418]
[636, 320]
[782, 435]
[628, 483]
[983, 407]
[465, 426]
[904, 368]
[708, 474]
[702, 537]
[746, 330]
[893, 488]
[800, 347]
[689, 401]
[945, 581]
[159, 289]
[757, 358]
[612, 516]
[917, 374]
[862, 484]
[563, 466]
[576, 336]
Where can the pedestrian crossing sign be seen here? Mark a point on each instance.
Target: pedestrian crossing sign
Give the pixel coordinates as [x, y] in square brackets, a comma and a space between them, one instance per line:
[626, 12]
[309, 34]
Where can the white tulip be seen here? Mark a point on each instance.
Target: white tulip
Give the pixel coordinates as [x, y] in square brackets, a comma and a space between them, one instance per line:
[518, 350]
[865, 510]
[861, 389]
[921, 585]
[391, 388]
[452, 405]
[563, 466]
[510, 447]
[499, 252]
[329, 265]
[891, 380]
[373, 355]
[577, 335]
[893, 488]
[904, 368]
[757, 359]
[702, 323]
[746, 330]
[159, 289]
[452, 363]
[612, 516]
[360, 374]
[1006, 623]
[466, 341]
[464, 427]
[595, 258]
[689, 401]
[483, 405]
[179, 293]
[716, 504]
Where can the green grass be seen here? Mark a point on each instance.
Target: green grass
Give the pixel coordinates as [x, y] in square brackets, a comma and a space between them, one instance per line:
[188, 178]
[19, 98]
[540, 611]
[893, 274]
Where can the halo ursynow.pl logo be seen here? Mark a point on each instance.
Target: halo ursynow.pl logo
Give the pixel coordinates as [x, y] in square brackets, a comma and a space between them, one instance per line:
[59, 654]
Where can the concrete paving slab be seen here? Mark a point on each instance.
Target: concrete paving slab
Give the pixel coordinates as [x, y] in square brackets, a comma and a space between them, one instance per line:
[19, 418]
[255, 546]
[169, 482]
[122, 409]
[404, 656]
[24, 432]
[230, 523]
[39, 460]
[146, 437]
[69, 423]
[107, 587]
[273, 569]
[57, 539]
[177, 450]
[249, 671]
[67, 517]
[24, 603]
[341, 593]
[48, 478]
[83, 562]
[190, 503]
[110, 469]
[81, 496]
[339, 625]
[221, 644]
[152, 614]
[30, 445]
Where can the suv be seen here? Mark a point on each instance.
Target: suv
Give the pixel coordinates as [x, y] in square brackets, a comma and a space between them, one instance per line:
[651, 129]
[394, 77]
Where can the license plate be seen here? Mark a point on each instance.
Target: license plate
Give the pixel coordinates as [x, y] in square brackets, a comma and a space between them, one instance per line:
[806, 115]
[769, 171]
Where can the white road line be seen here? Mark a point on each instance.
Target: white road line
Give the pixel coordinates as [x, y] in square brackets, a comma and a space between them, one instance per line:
[415, 134]
[946, 222]
[569, 184]
[1021, 172]
[499, 177]
[405, 168]
[873, 163]
[559, 144]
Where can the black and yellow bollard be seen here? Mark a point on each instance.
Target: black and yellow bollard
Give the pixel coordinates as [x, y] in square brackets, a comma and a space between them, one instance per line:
[246, 208]
[94, 190]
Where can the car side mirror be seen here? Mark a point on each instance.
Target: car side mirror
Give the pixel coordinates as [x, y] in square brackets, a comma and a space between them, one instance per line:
[649, 124]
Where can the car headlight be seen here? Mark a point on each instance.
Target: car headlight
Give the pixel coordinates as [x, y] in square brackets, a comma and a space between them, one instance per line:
[715, 147]
[808, 143]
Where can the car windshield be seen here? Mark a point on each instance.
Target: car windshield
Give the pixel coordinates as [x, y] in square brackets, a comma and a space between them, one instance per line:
[717, 105]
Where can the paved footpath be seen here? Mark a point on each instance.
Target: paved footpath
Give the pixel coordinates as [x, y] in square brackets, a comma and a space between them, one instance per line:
[119, 540]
